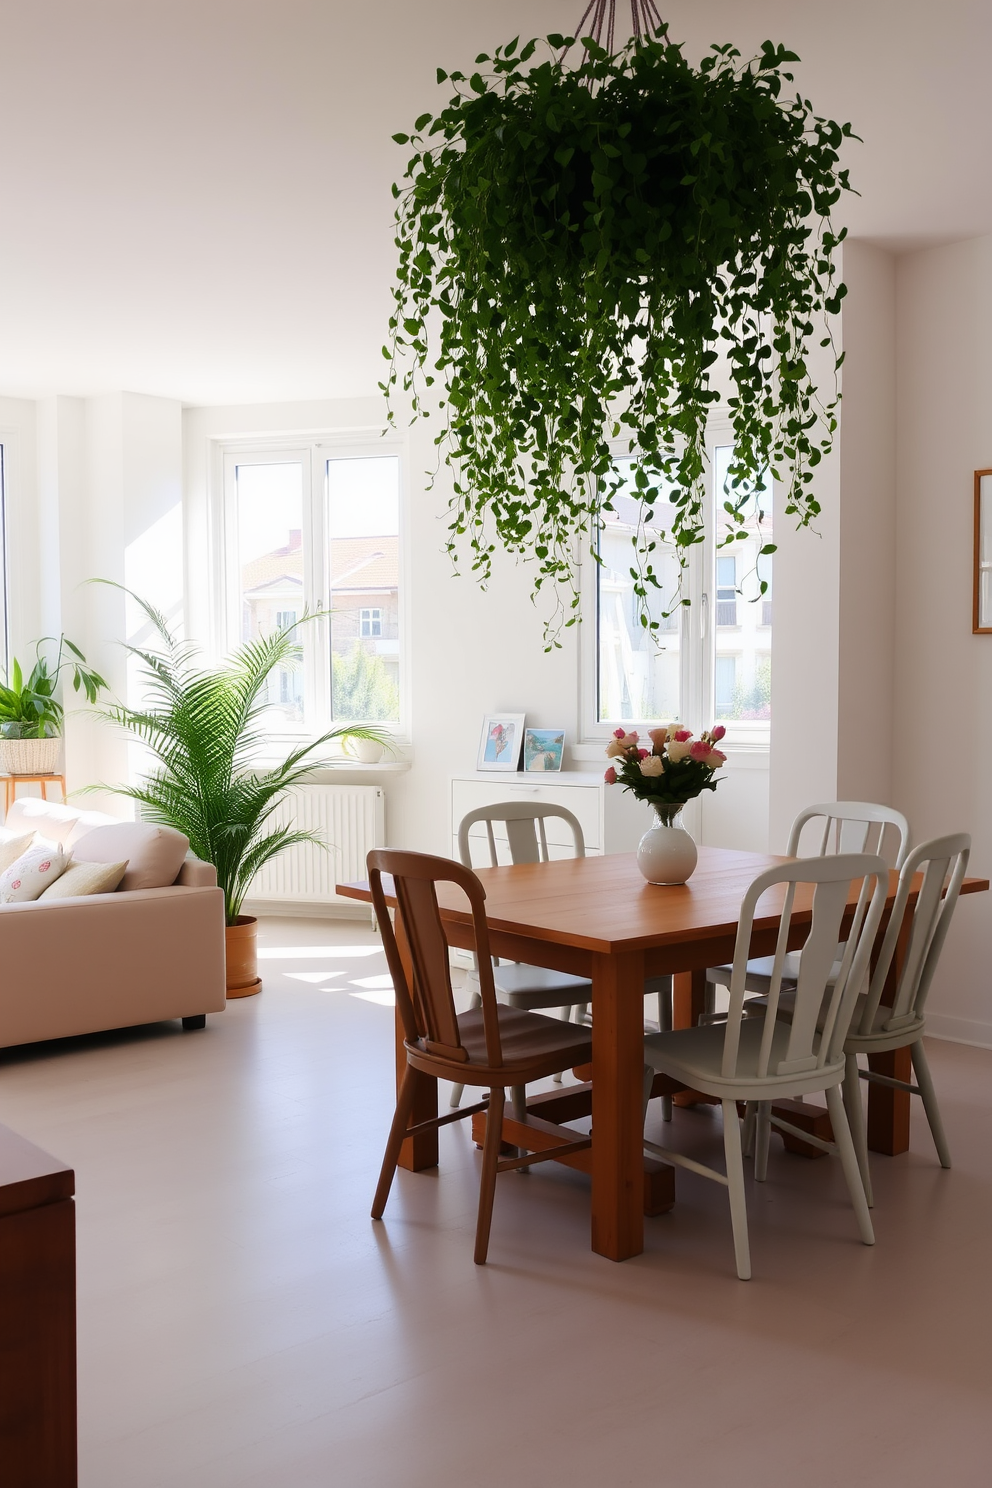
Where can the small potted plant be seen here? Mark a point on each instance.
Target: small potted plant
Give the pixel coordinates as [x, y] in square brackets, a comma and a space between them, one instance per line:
[30, 712]
[676, 769]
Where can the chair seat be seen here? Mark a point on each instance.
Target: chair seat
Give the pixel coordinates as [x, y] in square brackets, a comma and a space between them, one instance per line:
[536, 987]
[759, 972]
[695, 1056]
[878, 1039]
[533, 1047]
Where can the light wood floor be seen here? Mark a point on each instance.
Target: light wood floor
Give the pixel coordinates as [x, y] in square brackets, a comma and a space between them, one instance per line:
[243, 1324]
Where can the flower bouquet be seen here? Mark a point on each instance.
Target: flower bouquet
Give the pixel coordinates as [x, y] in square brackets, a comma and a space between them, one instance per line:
[676, 769]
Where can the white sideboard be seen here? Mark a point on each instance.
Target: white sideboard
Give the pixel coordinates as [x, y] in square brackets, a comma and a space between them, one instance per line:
[611, 820]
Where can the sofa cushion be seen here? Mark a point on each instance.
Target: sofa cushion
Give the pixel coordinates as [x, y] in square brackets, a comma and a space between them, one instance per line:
[32, 873]
[85, 822]
[29, 814]
[155, 854]
[12, 845]
[85, 878]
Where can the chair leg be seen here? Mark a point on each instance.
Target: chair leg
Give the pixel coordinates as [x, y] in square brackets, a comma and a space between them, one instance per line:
[849, 1160]
[665, 1024]
[564, 1015]
[735, 1187]
[856, 1121]
[397, 1132]
[922, 1069]
[487, 1183]
[750, 1121]
[457, 1091]
[762, 1137]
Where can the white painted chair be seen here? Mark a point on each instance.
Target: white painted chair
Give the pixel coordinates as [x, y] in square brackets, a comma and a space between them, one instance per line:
[848, 826]
[535, 988]
[876, 1028]
[762, 1058]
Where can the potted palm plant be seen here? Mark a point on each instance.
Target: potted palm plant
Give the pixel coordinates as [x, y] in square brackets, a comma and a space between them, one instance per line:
[205, 727]
[30, 712]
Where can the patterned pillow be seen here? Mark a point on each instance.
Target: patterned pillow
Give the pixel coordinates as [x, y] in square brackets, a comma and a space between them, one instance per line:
[12, 844]
[85, 878]
[33, 871]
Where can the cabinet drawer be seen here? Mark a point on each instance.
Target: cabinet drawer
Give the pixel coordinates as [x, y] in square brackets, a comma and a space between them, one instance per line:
[583, 801]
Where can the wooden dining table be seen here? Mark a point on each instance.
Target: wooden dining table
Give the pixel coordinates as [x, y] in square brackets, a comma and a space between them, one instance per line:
[596, 917]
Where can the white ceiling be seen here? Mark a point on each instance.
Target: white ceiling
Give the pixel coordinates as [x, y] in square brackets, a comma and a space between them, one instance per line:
[194, 194]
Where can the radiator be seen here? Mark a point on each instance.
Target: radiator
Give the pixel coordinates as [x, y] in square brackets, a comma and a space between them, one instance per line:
[349, 819]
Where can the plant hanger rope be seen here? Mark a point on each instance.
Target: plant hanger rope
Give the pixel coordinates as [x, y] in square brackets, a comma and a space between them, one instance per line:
[601, 253]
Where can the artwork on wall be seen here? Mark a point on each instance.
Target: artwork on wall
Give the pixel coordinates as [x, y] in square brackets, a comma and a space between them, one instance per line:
[982, 605]
[543, 748]
[502, 737]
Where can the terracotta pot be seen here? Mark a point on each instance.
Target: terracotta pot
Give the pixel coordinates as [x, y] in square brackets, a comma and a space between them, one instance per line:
[243, 979]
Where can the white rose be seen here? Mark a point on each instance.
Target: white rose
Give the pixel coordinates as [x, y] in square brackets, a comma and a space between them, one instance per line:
[677, 751]
[653, 765]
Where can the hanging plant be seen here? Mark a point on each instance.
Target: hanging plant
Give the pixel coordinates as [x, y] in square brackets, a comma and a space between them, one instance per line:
[578, 245]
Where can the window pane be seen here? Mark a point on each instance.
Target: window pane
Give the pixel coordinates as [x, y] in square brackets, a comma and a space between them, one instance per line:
[270, 564]
[363, 506]
[639, 672]
[4, 659]
[742, 669]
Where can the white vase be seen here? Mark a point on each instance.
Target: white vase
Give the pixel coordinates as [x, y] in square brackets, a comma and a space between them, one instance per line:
[667, 854]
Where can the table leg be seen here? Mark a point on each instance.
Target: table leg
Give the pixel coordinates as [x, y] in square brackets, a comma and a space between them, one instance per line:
[688, 997]
[420, 1152]
[617, 1115]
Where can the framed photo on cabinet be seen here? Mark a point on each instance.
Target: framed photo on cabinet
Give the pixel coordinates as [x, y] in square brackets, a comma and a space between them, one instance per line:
[502, 739]
[982, 609]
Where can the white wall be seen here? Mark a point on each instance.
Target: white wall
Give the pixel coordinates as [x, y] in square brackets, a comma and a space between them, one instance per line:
[943, 675]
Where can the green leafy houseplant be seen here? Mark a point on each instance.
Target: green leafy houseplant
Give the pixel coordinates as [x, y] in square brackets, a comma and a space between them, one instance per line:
[205, 727]
[29, 707]
[578, 246]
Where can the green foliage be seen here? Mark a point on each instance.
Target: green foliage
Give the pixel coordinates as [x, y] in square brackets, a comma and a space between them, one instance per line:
[205, 727]
[30, 709]
[362, 686]
[576, 248]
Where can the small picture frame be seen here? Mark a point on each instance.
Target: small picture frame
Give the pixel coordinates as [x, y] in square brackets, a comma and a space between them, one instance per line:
[543, 749]
[982, 604]
[502, 739]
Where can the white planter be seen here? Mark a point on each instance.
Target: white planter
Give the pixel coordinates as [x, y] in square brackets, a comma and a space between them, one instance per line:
[667, 854]
[29, 756]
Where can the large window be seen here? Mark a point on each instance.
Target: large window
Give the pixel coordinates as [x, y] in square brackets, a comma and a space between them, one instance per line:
[318, 529]
[710, 660]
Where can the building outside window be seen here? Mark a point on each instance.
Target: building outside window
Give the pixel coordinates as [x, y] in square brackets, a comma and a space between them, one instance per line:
[314, 531]
[689, 669]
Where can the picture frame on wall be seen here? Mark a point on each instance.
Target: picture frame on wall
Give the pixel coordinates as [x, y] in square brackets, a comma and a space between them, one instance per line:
[502, 741]
[982, 602]
[543, 749]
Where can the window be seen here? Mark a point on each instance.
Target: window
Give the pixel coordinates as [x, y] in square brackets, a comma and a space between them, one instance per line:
[316, 528]
[689, 669]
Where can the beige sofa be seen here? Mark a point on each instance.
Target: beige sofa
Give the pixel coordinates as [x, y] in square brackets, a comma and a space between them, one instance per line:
[70, 966]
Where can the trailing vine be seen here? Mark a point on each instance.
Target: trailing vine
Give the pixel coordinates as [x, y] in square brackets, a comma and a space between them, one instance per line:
[578, 247]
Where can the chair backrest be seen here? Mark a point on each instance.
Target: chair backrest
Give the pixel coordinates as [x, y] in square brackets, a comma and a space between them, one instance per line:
[943, 863]
[855, 827]
[525, 831]
[824, 1004]
[424, 998]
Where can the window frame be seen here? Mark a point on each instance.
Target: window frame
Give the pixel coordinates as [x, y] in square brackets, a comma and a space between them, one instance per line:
[4, 574]
[697, 631]
[313, 450]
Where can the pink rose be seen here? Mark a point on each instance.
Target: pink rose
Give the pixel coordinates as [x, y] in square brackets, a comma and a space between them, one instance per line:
[699, 750]
[643, 753]
[616, 749]
[618, 734]
[611, 776]
[715, 759]
[682, 735]
[717, 734]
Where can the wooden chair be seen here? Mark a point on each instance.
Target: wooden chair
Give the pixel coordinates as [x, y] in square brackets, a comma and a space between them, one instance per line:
[491, 1046]
[848, 826]
[761, 1058]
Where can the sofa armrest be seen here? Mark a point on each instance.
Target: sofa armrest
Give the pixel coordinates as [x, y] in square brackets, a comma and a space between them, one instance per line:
[196, 874]
[73, 966]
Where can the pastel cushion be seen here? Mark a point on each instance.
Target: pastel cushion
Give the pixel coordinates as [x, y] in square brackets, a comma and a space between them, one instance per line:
[53, 820]
[154, 854]
[32, 873]
[85, 878]
[12, 845]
